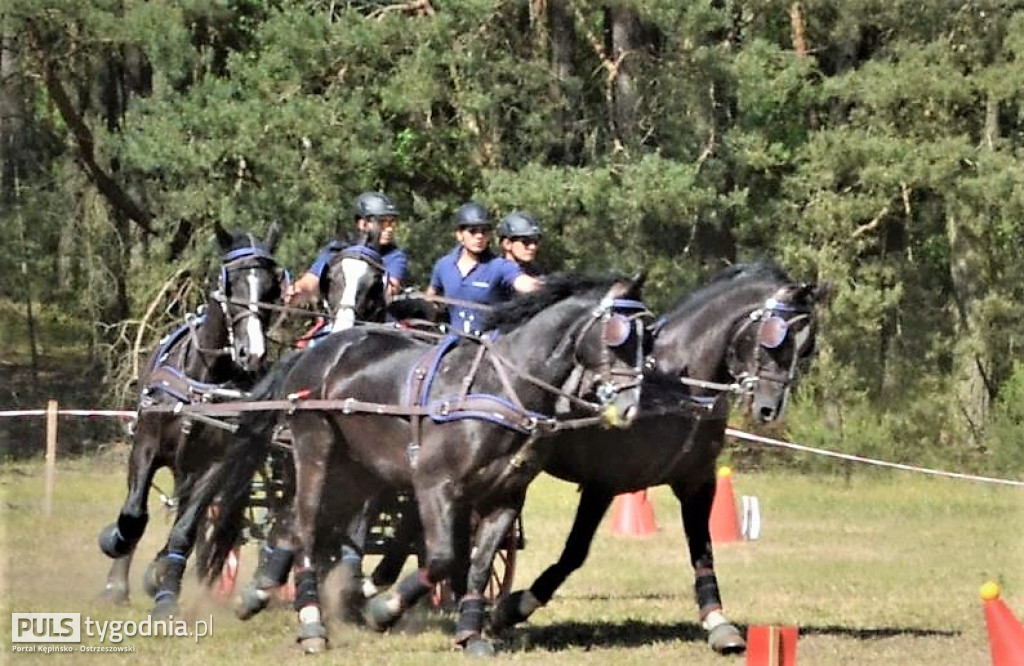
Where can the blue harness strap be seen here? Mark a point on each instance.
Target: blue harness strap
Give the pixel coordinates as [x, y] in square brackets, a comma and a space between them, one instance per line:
[478, 406]
[171, 381]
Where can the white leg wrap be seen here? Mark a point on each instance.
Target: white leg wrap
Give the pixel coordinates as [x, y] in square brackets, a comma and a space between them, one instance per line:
[309, 615]
[393, 603]
[369, 589]
[714, 619]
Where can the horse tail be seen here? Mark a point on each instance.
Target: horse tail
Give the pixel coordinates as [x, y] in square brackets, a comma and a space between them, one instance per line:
[228, 486]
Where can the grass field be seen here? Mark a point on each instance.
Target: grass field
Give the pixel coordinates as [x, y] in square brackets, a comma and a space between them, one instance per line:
[879, 569]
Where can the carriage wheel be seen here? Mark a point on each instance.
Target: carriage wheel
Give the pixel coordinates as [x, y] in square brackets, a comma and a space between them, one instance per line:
[503, 571]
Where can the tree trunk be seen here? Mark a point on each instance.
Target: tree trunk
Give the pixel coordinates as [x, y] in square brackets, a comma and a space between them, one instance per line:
[562, 36]
[971, 362]
[623, 39]
[12, 117]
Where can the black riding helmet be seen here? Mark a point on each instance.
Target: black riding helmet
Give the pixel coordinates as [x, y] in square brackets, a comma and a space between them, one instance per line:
[519, 224]
[373, 204]
[472, 214]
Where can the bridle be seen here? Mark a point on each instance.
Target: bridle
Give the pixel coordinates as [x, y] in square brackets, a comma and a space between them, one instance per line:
[253, 259]
[345, 311]
[770, 325]
[619, 319]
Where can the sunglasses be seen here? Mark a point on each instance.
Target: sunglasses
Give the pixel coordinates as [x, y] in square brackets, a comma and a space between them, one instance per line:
[476, 231]
[387, 222]
[526, 240]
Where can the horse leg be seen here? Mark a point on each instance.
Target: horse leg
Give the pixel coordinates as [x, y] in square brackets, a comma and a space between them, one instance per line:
[490, 534]
[436, 508]
[313, 438]
[276, 559]
[518, 606]
[180, 542]
[723, 636]
[119, 539]
[352, 549]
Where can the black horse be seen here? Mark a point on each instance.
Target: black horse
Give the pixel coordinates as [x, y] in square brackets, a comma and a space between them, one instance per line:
[216, 354]
[751, 330]
[457, 422]
[353, 286]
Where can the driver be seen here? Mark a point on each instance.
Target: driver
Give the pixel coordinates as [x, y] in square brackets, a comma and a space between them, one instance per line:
[368, 209]
[519, 235]
[471, 272]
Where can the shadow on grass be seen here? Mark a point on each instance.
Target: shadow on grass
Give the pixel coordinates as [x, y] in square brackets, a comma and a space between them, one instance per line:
[636, 633]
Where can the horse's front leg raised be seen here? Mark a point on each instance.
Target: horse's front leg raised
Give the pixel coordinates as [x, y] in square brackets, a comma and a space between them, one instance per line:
[519, 605]
[437, 514]
[490, 533]
[119, 539]
[723, 636]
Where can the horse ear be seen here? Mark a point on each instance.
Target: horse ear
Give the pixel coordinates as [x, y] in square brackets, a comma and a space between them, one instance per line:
[630, 288]
[223, 237]
[273, 236]
[821, 293]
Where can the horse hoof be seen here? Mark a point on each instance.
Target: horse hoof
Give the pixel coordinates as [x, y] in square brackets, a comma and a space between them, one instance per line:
[378, 614]
[114, 594]
[726, 639]
[152, 578]
[164, 608]
[112, 543]
[313, 645]
[479, 646]
[249, 603]
[506, 613]
[312, 637]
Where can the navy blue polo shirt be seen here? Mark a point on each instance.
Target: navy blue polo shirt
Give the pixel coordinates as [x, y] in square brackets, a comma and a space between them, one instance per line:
[489, 282]
[396, 263]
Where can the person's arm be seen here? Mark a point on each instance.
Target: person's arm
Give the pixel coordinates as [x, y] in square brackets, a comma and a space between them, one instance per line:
[305, 289]
[397, 266]
[525, 283]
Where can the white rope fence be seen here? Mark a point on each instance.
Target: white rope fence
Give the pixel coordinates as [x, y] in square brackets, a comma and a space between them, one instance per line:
[116, 413]
[739, 434]
[731, 432]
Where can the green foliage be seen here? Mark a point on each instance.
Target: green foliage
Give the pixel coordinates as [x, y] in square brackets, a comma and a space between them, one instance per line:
[1004, 434]
[885, 160]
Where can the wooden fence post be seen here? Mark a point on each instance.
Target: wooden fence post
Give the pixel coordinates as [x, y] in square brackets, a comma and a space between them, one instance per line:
[51, 455]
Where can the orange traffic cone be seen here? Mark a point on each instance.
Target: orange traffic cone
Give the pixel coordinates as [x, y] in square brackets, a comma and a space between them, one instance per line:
[769, 645]
[724, 521]
[633, 515]
[1005, 632]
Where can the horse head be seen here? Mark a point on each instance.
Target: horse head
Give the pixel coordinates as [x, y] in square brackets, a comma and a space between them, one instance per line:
[354, 283]
[591, 328]
[774, 344]
[750, 329]
[247, 282]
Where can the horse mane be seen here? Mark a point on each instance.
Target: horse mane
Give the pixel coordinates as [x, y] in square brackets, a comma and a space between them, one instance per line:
[555, 288]
[763, 270]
